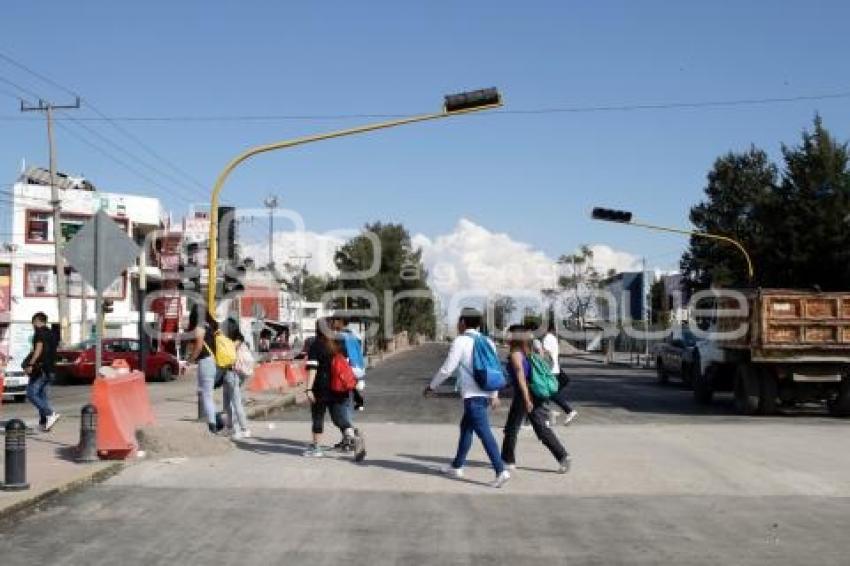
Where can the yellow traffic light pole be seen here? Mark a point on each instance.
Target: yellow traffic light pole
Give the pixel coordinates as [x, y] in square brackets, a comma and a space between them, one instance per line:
[236, 161]
[708, 235]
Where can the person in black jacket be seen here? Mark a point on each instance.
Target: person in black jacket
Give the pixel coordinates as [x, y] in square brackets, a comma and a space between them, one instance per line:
[39, 365]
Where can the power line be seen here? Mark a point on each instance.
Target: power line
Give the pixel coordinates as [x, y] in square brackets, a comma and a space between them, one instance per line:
[20, 88]
[131, 155]
[629, 107]
[112, 122]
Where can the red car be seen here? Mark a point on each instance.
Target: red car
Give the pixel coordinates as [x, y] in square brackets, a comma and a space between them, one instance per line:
[77, 362]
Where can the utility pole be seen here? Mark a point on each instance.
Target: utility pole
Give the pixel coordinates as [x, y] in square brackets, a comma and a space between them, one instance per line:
[303, 267]
[270, 202]
[56, 203]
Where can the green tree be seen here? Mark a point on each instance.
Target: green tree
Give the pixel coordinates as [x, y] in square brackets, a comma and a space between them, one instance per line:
[796, 226]
[739, 187]
[579, 285]
[400, 270]
[810, 235]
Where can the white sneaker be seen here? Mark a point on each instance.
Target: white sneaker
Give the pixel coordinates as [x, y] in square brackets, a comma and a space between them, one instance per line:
[569, 418]
[237, 435]
[564, 465]
[451, 471]
[511, 467]
[246, 433]
[51, 420]
[501, 479]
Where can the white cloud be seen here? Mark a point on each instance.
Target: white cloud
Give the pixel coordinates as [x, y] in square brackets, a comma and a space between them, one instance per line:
[606, 257]
[469, 258]
[321, 248]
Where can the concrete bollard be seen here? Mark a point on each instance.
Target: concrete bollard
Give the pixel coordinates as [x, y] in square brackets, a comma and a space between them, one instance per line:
[16, 456]
[87, 448]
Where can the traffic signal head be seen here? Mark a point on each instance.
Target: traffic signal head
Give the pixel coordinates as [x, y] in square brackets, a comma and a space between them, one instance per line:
[610, 215]
[473, 99]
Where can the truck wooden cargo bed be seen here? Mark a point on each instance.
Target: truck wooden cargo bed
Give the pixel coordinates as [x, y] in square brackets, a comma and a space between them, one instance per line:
[795, 324]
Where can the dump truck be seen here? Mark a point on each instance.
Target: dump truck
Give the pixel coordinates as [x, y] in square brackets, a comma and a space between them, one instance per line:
[775, 348]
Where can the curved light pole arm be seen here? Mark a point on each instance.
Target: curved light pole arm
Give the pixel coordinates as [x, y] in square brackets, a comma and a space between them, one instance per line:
[726, 239]
[236, 161]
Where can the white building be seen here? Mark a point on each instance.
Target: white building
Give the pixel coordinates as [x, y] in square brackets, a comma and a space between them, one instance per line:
[27, 265]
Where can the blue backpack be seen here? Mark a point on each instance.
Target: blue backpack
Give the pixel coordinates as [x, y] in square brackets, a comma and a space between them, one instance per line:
[486, 368]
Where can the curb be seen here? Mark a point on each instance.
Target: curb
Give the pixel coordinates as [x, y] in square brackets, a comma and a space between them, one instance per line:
[38, 499]
[262, 411]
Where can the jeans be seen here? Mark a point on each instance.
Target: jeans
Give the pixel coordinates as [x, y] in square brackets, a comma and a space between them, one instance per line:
[475, 420]
[206, 379]
[538, 417]
[233, 402]
[340, 410]
[37, 395]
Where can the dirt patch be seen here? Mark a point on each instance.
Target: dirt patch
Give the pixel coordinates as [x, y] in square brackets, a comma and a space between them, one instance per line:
[181, 439]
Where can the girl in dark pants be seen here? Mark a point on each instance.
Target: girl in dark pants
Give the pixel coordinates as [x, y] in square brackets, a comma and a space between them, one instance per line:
[323, 399]
[526, 403]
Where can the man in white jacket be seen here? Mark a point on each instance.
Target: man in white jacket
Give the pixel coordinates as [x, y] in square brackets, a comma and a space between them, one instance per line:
[475, 401]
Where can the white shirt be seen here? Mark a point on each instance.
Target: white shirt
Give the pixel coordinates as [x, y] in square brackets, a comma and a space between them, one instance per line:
[551, 347]
[460, 359]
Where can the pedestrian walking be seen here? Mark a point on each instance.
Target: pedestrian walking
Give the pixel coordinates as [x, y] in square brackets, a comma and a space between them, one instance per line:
[233, 380]
[526, 404]
[354, 354]
[476, 400]
[39, 365]
[550, 349]
[203, 353]
[323, 398]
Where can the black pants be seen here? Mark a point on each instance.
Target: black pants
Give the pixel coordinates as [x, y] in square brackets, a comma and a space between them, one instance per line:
[339, 414]
[538, 417]
[560, 398]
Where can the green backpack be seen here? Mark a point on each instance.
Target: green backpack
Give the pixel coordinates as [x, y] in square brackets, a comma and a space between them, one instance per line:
[542, 383]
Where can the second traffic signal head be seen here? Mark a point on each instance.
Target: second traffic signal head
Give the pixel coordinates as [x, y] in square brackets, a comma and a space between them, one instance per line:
[611, 215]
[473, 99]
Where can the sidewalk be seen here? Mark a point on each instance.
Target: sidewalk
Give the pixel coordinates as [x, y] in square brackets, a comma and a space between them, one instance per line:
[51, 468]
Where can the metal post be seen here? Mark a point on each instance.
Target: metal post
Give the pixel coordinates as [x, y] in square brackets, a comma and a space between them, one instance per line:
[143, 284]
[16, 456]
[87, 448]
[98, 360]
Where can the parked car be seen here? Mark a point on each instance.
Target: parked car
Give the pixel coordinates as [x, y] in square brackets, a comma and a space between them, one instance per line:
[77, 362]
[15, 383]
[677, 356]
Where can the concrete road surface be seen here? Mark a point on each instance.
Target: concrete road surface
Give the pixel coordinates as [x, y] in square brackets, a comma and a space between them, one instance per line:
[655, 481]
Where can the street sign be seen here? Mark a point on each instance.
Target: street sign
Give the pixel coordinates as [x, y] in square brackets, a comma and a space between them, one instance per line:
[100, 251]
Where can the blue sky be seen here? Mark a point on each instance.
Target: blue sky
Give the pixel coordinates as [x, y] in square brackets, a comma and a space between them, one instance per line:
[533, 176]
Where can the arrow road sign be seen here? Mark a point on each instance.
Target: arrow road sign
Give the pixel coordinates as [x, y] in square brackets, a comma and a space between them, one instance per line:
[100, 251]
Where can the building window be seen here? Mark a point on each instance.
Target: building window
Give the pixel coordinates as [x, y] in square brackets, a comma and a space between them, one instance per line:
[40, 280]
[39, 226]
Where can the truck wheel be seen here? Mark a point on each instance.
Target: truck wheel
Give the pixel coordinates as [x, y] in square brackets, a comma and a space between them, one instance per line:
[662, 376]
[840, 406]
[768, 392]
[747, 390]
[690, 371]
[704, 386]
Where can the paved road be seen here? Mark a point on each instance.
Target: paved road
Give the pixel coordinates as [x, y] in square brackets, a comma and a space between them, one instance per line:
[654, 482]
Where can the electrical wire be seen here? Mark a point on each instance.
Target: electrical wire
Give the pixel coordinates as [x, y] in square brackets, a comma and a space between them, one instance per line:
[112, 122]
[628, 107]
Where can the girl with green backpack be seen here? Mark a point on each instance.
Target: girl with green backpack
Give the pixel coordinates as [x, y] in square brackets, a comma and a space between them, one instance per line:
[533, 386]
